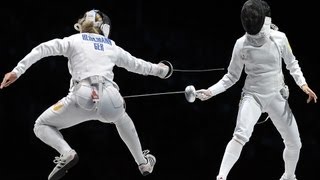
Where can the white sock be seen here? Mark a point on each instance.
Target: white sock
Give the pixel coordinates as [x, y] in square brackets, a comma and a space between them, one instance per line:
[290, 158]
[230, 157]
[128, 134]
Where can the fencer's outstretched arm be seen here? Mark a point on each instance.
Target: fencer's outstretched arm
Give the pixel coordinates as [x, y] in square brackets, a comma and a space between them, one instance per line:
[45, 49]
[229, 79]
[140, 66]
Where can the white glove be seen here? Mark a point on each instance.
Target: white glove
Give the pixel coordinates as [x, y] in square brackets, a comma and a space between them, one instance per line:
[204, 94]
[166, 69]
[163, 70]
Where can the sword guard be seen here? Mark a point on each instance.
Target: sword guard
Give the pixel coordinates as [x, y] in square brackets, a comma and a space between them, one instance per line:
[190, 93]
[170, 68]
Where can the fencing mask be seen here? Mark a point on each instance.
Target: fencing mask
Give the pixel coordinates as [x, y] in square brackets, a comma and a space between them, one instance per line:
[103, 25]
[252, 16]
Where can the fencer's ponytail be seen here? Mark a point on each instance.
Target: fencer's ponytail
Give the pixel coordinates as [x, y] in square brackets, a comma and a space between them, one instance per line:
[85, 26]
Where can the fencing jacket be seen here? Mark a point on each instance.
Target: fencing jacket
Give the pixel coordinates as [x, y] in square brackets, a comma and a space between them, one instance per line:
[262, 64]
[88, 55]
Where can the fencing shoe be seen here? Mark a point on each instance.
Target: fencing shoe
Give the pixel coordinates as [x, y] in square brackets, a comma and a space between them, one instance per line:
[64, 162]
[221, 178]
[147, 168]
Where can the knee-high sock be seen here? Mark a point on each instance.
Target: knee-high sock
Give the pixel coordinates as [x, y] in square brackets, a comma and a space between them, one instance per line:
[290, 158]
[128, 134]
[230, 157]
[52, 137]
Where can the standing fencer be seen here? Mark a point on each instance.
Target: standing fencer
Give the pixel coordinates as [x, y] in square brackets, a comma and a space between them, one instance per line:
[93, 94]
[260, 52]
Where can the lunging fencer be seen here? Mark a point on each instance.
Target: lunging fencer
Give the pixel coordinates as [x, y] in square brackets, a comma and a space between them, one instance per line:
[93, 95]
[260, 52]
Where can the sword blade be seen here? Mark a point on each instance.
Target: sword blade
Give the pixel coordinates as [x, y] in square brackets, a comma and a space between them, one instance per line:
[154, 94]
[198, 70]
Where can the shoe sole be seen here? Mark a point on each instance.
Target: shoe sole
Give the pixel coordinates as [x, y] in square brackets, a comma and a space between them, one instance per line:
[65, 169]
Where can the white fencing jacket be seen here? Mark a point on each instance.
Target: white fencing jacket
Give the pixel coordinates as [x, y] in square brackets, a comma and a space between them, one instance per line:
[88, 55]
[263, 65]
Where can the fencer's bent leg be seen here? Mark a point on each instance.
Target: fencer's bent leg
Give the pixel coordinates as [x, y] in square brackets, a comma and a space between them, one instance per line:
[284, 120]
[113, 111]
[128, 134]
[52, 137]
[248, 114]
[62, 115]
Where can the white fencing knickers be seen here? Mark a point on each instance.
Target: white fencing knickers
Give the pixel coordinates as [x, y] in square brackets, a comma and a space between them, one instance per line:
[80, 106]
[250, 109]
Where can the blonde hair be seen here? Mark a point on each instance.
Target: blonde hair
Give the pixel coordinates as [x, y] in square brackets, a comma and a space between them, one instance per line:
[85, 26]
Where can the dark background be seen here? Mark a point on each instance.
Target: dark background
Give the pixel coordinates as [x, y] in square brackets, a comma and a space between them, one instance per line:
[188, 139]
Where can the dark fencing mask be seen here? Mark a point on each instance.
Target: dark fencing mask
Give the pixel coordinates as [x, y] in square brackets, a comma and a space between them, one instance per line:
[252, 16]
[106, 25]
